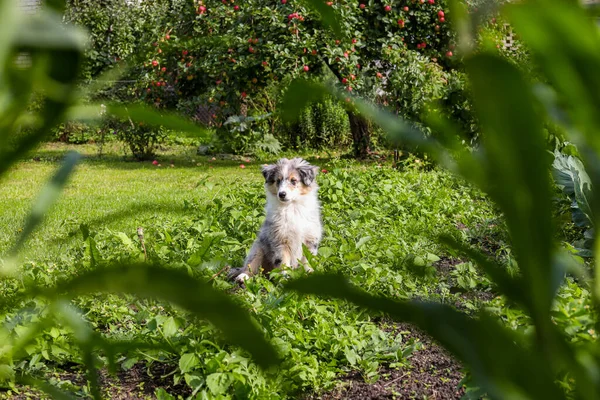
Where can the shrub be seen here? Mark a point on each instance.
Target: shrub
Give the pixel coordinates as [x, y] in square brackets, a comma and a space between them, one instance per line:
[323, 124]
[142, 139]
[247, 135]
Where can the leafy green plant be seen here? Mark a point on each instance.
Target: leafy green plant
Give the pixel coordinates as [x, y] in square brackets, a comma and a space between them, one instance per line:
[56, 54]
[571, 177]
[512, 167]
[241, 136]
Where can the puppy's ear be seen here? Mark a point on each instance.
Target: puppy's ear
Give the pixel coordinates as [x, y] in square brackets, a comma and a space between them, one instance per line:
[308, 173]
[268, 172]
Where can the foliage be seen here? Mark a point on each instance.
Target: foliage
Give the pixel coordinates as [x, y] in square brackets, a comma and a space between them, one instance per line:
[215, 230]
[116, 30]
[512, 155]
[243, 135]
[571, 177]
[224, 57]
[141, 138]
[55, 54]
[321, 125]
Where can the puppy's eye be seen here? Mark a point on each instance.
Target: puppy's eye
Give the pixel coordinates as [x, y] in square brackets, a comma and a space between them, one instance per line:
[294, 181]
[278, 181]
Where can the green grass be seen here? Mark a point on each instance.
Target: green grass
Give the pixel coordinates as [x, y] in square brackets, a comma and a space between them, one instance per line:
[109, 192]
[381, 226]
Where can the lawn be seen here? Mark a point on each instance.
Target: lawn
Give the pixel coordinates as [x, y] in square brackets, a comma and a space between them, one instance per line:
[200, 215]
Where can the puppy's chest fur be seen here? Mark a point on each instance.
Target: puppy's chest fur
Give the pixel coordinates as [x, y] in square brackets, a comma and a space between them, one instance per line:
[294, 224]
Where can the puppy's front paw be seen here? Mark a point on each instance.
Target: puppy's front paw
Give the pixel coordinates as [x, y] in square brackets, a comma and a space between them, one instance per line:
[308, 269]
[241, 278]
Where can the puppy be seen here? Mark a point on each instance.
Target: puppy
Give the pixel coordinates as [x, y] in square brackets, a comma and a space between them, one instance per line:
[293, 219]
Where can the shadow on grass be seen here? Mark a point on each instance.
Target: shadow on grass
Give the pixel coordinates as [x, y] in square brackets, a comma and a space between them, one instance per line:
[178, 156]
[120, 214]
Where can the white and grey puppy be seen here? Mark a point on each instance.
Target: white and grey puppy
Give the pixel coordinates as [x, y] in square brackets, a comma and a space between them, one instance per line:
[293, 218]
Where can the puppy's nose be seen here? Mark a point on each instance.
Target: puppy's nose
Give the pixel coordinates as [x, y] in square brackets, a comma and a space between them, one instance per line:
[282, 195]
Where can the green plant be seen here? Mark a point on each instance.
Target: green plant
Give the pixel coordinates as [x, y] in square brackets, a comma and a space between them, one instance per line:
[241, 136]
[56, 54]
[141, 139]
[512, 167]
[571, 177]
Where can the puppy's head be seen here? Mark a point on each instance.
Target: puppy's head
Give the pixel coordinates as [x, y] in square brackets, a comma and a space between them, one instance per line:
[289, 180]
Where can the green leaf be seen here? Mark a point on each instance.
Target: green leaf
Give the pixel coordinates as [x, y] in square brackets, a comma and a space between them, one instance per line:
[170, 327]
[187, 362]
[219, 382]
[515, 158]
[325, 252]
[177, 287]
[161, 394]
[572, 178]
[500, 366]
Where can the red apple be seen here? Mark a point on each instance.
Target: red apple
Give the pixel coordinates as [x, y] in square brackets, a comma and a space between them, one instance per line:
[344, 81]
[431, 1]
[314, 52]
[405, 9]
[354, 40]
[442, 19]
[185, 52]
[440, 14]
[154, 63]
[243, 94]
[387, 8]
[401, 23]
[236, 7]
[305, 68]
[168, 37]
[379, 76]
[283, 1]
[362, 6]
[163, 69]
[448, 54]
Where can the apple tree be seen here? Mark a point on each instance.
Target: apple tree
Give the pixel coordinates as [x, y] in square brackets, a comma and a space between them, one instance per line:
[227, 53]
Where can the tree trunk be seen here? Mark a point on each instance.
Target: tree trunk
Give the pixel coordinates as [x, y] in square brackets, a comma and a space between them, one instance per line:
[361, 135]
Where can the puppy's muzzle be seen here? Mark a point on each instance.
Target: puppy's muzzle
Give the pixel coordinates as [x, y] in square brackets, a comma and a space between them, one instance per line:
[282, 196]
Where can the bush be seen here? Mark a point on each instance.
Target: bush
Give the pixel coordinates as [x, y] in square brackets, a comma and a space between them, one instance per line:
[142, 140]
[321, 125]
[246, 135]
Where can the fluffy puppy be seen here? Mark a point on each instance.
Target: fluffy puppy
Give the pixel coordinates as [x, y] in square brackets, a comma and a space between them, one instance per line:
[293, 219]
